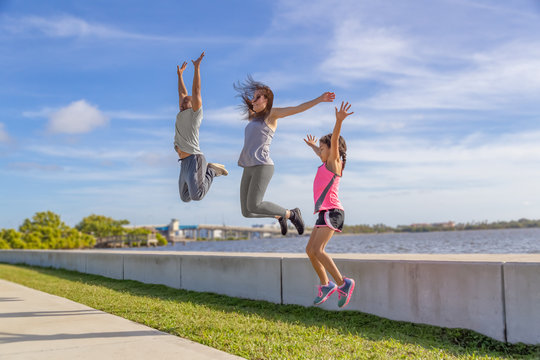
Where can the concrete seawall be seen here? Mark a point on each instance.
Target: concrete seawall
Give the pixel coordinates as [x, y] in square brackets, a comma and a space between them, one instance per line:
[496, 295]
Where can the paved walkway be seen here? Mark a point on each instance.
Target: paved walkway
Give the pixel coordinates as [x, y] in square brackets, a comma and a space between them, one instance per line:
[37, 325]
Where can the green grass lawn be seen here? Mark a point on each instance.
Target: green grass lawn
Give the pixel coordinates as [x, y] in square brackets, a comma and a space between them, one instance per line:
[262, 330]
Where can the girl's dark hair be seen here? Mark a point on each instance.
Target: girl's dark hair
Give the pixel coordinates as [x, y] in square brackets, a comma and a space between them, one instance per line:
[327, 140]
[246, 90]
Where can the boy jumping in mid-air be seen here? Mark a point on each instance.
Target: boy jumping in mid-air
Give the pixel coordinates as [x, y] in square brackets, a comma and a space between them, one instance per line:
[196, 175]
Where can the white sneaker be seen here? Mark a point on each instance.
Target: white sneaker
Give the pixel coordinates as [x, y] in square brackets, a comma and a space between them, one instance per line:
[218, 168]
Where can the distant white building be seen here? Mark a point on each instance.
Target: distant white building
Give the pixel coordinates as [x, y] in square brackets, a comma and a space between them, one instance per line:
[174, 231]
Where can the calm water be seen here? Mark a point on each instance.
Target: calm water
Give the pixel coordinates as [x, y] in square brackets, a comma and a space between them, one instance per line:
[507, 241]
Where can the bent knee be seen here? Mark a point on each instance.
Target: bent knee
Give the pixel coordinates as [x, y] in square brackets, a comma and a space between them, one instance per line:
[185, 197]
[314, 251]
[198, 196]
[248, 214]
[251, 208]
[310, 251]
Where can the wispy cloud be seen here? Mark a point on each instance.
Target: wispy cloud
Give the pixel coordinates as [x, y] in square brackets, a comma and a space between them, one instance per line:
[68, 26]
[503, 78]
[46, 112]
[34, 166]
[4, 137]
[414, 163]
[229, 116]
[132, 115]
[360, 52]
[423, 64]
[414, 72]
[77, 118]
[513, 8]
[114, 153]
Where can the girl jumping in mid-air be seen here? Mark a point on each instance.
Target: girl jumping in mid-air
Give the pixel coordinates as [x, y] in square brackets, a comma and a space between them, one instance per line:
[333, 152]
[257, 102]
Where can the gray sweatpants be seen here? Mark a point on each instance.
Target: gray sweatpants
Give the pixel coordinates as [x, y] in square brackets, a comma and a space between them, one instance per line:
[195, 178]
[254, 182]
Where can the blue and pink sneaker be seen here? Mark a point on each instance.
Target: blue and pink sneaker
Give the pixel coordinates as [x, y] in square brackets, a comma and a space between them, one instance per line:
[345, 291]
[324, 292]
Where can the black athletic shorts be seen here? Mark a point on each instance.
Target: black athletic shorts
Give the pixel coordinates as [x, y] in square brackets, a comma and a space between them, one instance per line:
[332, 218]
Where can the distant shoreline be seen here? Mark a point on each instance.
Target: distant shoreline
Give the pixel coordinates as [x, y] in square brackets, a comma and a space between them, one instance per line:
[447, 226]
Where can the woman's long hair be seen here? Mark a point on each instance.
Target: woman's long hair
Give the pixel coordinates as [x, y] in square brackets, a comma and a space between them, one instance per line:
[327, 140]
[246, 90]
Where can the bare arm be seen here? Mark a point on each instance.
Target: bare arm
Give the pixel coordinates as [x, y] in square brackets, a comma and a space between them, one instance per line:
[333, 159]
[278, 113]
[196, 100]
[182, 91]
[311, 141]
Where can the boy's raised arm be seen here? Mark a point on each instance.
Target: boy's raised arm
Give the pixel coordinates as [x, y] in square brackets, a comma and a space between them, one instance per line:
[196, 99]
[182, 91]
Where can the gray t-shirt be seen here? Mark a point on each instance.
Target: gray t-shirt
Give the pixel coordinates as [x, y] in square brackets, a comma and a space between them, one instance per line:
[186, 136]
[257, 140]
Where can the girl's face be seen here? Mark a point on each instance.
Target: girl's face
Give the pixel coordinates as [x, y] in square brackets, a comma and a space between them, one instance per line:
[259, 101]
[325, 151]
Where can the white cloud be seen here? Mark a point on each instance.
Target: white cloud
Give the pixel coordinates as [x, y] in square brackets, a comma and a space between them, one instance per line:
[4, 137]
[77, 118]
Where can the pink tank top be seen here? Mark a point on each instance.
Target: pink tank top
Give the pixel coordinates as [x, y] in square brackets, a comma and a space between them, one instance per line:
[325, 190]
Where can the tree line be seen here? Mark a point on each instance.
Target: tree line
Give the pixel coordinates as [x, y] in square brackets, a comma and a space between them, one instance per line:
[449, 226]
[45, 230]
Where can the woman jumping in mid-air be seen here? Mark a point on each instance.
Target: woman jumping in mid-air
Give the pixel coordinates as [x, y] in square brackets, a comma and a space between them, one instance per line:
[333, 152]
[255, 156]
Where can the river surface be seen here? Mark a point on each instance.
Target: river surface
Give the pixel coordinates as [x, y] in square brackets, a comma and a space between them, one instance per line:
[506, 241]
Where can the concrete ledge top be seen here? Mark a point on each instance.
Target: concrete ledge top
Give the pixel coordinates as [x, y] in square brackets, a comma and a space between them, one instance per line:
[495, 258]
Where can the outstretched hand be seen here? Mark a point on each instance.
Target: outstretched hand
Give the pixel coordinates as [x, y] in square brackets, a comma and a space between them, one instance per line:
[342, 113]
[327, 97]
[180, 70]
[311, 140]
[198, 61]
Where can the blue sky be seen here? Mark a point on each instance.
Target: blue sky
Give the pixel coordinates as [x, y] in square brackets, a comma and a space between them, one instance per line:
[445, 93]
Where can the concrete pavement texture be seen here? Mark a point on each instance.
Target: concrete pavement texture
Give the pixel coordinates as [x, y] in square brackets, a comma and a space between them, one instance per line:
[37, 325]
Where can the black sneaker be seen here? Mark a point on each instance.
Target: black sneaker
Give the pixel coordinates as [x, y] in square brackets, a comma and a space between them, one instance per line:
[283, 224]
[297, 220]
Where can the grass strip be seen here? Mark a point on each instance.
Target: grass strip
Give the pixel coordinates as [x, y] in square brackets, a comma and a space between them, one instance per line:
[263, 330]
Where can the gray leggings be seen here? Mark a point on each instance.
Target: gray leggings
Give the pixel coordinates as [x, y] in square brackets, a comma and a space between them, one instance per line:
[254, 182]
[195, 178]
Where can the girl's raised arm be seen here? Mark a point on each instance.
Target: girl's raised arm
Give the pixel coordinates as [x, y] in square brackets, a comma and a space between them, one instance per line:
[334, 143]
